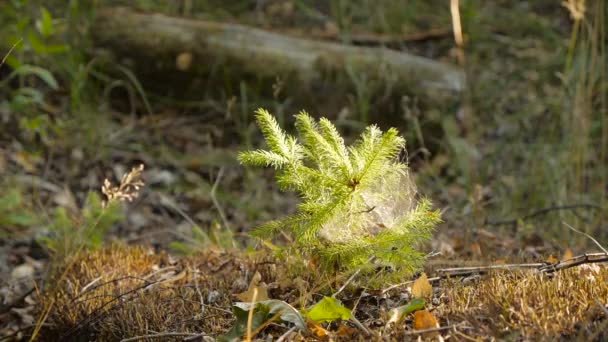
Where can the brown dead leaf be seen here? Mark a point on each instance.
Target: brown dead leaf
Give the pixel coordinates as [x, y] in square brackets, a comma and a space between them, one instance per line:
[567, 254]
[254, 292]
[313, 264]
[551, 259]
[317, 330]
[422, 287]
[345, 331]
[423, 319]
[260, 292]
[475, 249]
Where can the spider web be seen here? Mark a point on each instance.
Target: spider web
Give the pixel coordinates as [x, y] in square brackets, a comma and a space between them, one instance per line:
[380, 206]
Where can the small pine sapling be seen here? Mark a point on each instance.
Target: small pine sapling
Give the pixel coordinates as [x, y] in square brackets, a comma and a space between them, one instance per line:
[358, 202]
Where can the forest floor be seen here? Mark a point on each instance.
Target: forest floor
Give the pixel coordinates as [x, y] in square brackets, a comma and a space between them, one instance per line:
[178, 258]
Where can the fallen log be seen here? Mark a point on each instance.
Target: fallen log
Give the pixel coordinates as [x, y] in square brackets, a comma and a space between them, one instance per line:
[157, 37]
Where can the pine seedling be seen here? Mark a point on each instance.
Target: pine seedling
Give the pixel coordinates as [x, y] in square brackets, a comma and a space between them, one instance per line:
[359, 203]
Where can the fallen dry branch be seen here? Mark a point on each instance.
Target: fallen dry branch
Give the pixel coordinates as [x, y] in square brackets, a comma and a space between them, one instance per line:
[160, 336]
[152, 38]
[587, 258]
[544, 267]
[544, 211]
[452, 327]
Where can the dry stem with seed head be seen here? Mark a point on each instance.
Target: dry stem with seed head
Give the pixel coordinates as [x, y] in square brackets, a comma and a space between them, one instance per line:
[576, 8]
[127, 190]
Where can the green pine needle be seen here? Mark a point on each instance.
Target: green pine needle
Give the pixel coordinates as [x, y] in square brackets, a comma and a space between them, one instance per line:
[359, 203]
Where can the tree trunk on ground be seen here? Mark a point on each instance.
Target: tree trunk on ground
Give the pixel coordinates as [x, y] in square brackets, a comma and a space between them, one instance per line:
[156, 38]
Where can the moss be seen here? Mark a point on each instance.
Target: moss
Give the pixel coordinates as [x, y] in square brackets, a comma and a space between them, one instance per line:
[120, 292]
[536, 306]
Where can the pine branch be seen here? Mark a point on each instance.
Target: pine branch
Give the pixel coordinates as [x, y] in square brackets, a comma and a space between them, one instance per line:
[276, 139]
[338, 185]
[263, 158]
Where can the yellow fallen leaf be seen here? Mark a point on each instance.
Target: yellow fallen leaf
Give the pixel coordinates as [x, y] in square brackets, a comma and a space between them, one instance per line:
[551, 259]
[567, 254]
[317, 330]
[422, 287]
[423, 319]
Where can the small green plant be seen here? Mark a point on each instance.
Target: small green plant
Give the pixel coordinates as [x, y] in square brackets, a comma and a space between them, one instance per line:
[199, 239]
[86, 228]
[359, 202]
[15, 213]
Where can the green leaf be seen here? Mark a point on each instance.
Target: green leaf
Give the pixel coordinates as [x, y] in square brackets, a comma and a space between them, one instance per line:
[397, 314]
[45, 25]
[35, 42]
[179, 247]
[288, 313]
[22, 218]
[42, 48]
[239, 329]
[13, 62]
[328, 310]
[41, 73]
[10, 200]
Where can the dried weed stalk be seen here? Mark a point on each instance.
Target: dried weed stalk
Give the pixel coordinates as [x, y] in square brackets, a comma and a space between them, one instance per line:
[127, 190]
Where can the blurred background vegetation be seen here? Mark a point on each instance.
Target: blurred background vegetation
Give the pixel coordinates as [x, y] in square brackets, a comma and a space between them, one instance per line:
[518, 153]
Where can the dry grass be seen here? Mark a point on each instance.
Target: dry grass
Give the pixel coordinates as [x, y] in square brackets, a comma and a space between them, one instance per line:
[121, 292]
[533, 305]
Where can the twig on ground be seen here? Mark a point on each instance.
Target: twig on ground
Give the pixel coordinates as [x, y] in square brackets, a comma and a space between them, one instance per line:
[430, 330]
[267, 323]
[543, 211]
[194, 336]
[286, 334]
[91, 283]
[159, 335]
[603, 306]
[198, 291]
[216, 203]
[104, 308]
[348, 281]
[587, 258]
[392, 287]
[360, 326]
[465, 336]
[587, 235]
[467, 271]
